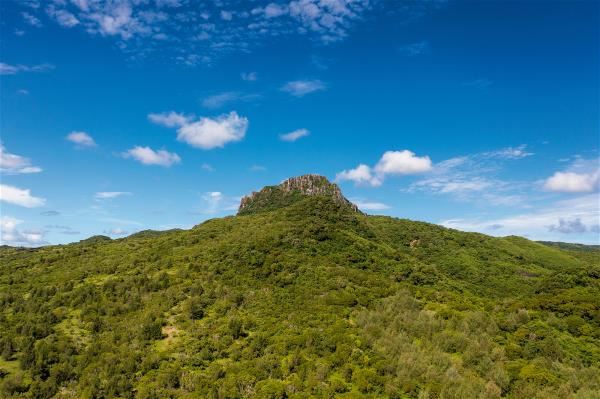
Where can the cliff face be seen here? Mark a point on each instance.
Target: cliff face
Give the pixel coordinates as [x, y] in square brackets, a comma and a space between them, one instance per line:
[292, 190]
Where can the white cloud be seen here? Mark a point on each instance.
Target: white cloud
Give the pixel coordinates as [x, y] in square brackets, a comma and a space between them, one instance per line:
[208, 133]
[403, 162]
[369, 205]
[361, 175]
[249, 76]
[579, 217]
[63, 17]
[110, 194]
[82, 139]
[295, 135]
[148, 156]
[23, 92]
[219, 100]
[226, 15]
[213, 29]
[414, 49]
[116, 231]
[8, 69]
[15, 164]
[257, 168]
[510, 152]
[207, 167]
[18, 196]
[570, 182]
[301, 88]
[170, 119]
[31, 20]
[11, 235]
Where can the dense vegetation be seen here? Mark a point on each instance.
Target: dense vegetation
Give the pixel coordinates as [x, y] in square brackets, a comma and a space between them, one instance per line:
[308, 300]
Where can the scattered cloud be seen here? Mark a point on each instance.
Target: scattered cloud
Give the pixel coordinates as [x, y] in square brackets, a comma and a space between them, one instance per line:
[110, 194]
[391, 163]
[249, 76]
[82, 139]
[196, 33]
[18, 196]
[570, 182]
[365, 205]
[31, 20]
[568, 226]
[10, 234]
[473, 178]
[63, 229]
[577, 216]
[148, 156]
[414, 49]
[295, 135]
[216, 202]
[208, 133]
[22, 92]
[257, 168]
[582, 176]
[50, 213]
[362, 175]
[116, 231]
[300, 88]
[402, 163]
[8, 69]
[170, 119]
[15, 164]
[207, 167]
[221, 99]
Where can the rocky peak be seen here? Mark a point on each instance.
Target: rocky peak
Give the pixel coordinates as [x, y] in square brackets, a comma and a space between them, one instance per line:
[292, 190]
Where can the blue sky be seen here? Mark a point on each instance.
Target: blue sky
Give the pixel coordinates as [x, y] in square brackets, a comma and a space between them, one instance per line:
[119, 116]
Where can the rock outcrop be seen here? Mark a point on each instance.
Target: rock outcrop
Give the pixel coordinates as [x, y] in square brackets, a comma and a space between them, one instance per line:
[292, 190]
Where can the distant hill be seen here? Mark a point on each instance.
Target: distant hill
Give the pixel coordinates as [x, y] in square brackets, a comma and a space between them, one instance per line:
[571, 246]
[301, 296]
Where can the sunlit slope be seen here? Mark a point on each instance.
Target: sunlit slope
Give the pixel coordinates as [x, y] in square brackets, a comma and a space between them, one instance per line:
[306, 299]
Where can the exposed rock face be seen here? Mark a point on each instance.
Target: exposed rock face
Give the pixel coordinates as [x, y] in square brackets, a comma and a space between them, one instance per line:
[292, 190]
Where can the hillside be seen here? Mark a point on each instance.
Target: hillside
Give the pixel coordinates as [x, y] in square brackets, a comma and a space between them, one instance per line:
[300, 296]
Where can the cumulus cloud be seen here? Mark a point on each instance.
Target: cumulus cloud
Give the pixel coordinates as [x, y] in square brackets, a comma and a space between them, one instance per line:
[82, 139]
[300, 88]
[15, 164]
[361, 175]
[148, 156]
[570, 182]
[391, 163]
[18, 196]
[110, 194]
[170, 119]
[10, 234]
[295, 135]
[402, 163]
[8, 69]
[582, 176]
[208, 133]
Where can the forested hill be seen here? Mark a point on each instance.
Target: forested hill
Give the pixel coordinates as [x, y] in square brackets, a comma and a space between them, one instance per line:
[300, 296]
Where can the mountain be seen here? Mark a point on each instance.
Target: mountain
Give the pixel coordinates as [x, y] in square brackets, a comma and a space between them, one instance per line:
[300, 296]
[293, 190]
